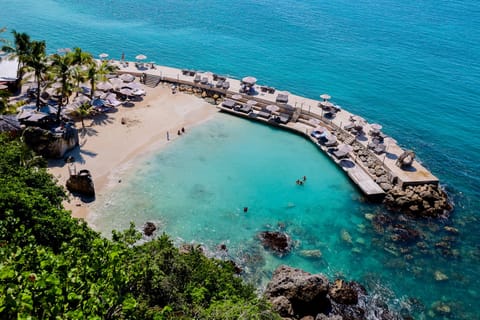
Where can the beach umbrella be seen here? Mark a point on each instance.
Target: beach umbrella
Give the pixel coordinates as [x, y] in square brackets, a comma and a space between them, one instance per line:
[376, 126]
[126, 91]
[325, 96]
[3, 87]
[141, 57]
[314, 121]
[345, 148]
[252, 102]
[249, 80]
[127, 77]
[272, 108]
[81, 99]
[103, 55]
[133, 85]
[237, 96]
[64, 50]
[104, 86]
[117, 82]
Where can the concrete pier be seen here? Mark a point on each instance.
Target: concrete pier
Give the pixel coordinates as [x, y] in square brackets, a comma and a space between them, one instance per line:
[305, 115]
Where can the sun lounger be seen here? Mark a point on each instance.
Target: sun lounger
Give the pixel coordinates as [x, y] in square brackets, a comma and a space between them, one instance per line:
[228, 103]
[330, 141]
[379, 149]
[246, 108]
[282, 98]
[226, 85]
[197, 78]
[219, 84]
[283, 118]
[204, 80]
[349, 126]
[264, 114]
[339, 154]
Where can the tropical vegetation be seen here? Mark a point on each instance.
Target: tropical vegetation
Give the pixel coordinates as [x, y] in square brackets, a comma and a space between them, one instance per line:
[64, 72]
[55, 267]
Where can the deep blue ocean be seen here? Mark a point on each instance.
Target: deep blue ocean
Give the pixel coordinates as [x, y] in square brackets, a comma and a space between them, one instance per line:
[413, 66]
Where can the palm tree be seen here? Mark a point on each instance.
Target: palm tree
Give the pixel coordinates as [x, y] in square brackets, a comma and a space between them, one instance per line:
[21, 50]
[37, 61]
[84, 111]
[98, 72]
[81, 60]
[62, 66]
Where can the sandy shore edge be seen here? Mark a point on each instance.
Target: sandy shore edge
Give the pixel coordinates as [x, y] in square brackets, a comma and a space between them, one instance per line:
[112, 143]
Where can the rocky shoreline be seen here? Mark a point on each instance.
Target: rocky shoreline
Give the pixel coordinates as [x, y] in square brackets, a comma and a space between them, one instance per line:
[296, 294]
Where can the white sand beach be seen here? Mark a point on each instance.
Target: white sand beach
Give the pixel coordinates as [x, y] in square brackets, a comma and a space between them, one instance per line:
[112, 141]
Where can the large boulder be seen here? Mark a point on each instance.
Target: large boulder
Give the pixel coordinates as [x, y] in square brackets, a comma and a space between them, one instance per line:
[279, 242]
[51, 144]
[81, 183]
[306, 292]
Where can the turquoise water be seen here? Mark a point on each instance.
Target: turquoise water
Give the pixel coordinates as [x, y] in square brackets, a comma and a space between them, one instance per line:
[412, 66]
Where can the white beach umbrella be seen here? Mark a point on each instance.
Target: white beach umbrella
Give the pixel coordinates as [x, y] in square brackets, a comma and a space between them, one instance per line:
[3, 87]
[272, 108]
[252, 102]
[237, 96]
[141, 57]
[345, 148]
[103, 55]
[104, 86]
[325, 96]
[249, 80]
[376, 126]
[127, 77]
[133, 85]
[126, 91]
[117, 82]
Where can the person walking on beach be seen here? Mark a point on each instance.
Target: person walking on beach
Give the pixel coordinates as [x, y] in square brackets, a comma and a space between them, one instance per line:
[168, 136]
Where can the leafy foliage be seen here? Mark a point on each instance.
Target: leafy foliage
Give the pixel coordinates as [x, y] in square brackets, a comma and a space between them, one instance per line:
[52, 266]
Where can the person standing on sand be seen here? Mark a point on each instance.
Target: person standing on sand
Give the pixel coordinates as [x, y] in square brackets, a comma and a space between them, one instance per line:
[168, 136]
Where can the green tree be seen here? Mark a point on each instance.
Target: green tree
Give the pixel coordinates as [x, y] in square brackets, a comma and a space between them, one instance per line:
[62, 67]
[97, 71]
[84, 111]
[81, 61]
[36, 61]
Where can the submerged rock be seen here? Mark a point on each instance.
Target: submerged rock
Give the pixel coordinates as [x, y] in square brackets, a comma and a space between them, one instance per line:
[440, 276]
[312, 254]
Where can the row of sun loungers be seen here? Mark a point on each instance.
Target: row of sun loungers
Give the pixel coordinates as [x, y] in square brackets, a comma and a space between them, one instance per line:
[263, 113]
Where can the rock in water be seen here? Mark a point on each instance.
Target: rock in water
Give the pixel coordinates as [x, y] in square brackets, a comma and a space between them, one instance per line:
[149, 228]
[311, 254]
[346, 236]
[279, 242]
[440, 276]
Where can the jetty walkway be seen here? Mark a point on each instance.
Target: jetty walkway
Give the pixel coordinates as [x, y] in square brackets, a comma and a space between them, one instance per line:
[372, 160]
